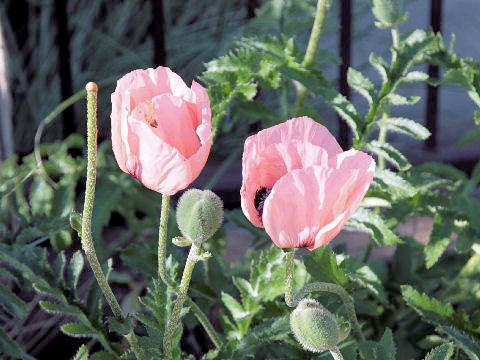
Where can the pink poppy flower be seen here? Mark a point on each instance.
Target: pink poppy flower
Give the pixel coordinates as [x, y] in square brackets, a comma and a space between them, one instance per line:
[161, 132]
[299, 185]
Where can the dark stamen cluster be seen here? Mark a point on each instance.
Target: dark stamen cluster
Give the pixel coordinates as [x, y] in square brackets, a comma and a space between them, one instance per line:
[260, 198]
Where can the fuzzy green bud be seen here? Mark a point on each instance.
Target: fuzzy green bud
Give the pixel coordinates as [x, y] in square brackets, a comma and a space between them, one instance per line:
[199, 214]
[389, 12]
[314, 326]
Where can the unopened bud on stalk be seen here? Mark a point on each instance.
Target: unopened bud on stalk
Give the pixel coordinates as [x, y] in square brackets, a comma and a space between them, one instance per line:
[199, 214]
[314, 326]
[388, 12]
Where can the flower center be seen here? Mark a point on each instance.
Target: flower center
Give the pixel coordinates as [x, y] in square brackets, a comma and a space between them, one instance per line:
[260, 198]
[148, 114]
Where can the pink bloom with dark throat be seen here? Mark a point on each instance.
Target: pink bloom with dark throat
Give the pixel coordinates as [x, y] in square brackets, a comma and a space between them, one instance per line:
[299, 185]
[161, 132]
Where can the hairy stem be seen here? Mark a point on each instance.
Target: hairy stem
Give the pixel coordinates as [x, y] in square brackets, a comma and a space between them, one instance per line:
[87, 242]
[181, 297]
[323, 6]
[336, 354]
[289, 277]
[162, 271]
[133, 341]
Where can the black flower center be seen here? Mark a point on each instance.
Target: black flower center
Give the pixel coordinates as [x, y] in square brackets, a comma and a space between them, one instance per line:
[260, 198]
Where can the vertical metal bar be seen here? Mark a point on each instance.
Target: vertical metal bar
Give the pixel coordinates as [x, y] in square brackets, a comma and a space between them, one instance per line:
[158, 33]
[345, 45]
[6, 128]
[63, 39]
[433, 71]
[252, 5]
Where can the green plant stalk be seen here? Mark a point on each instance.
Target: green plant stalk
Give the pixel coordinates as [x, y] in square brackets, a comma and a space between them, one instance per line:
[162, 271]
[289, 277]
[323, 6]
[133, 341]
[181, 297]
[336, 354]
[293, 301]
[87, 242]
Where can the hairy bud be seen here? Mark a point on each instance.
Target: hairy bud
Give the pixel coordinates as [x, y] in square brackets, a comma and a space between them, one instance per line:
[389, 12]
[314, 326]
[199, 214]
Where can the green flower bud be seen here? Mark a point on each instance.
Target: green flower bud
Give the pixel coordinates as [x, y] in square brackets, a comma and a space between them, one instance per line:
[389, 12]
[314, 326]
[199, 214]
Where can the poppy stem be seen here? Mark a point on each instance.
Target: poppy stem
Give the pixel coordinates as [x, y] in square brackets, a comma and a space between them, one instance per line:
[336, 354]
[162, 271]
[323, 6]
[87, 241]
[289, 276]
[133, 341]
[193, 257]
[342, 294]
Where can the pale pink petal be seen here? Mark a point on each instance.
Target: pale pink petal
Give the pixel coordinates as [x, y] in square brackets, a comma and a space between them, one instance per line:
[308, 207]
[116, 125]
[293, 210]
[155, 163]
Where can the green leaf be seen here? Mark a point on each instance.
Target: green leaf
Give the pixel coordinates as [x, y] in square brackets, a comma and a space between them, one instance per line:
[61, 240]
[12, 303]
[433, 311]
[471, 136]
[8, 346]
[386, 347]
[322, 265]
[396, 99]
[235, 308]
[362, 274]
[361, 84]
[470, 346]
[77, 330]
[76, 222]
[393, 183]
[267, 273]
[82, 353]
[102, 355]
[28, 234]
[442, 352]
[59, 268]
[389, 153]
[75, 269]
[347, 111]
[381, 65]
[439, 239]
[415, 76]
[375, 226]
[120, 327]
[405, 126]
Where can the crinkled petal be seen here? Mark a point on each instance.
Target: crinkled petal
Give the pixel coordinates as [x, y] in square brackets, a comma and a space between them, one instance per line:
[308, 207]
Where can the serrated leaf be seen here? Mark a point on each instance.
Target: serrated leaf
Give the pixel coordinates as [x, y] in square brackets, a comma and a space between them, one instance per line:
[123, 328]
[389, 153]
[380, 65]
[75, 269]
[267, 273]
[442, 352]
[439, 239]
[405, 126]
[82, 353]
[235, 308]
[102, 355]
[12, 303]
[59, 268]
[396, 99]
[347, 111]
[375, 226]
[470, 346]
[361, 84]
[393, 183]
[362, 274]
[8, 346]
[77, 330]
[386, 349]
[415, 76]
[322, 265]
[430, 309]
